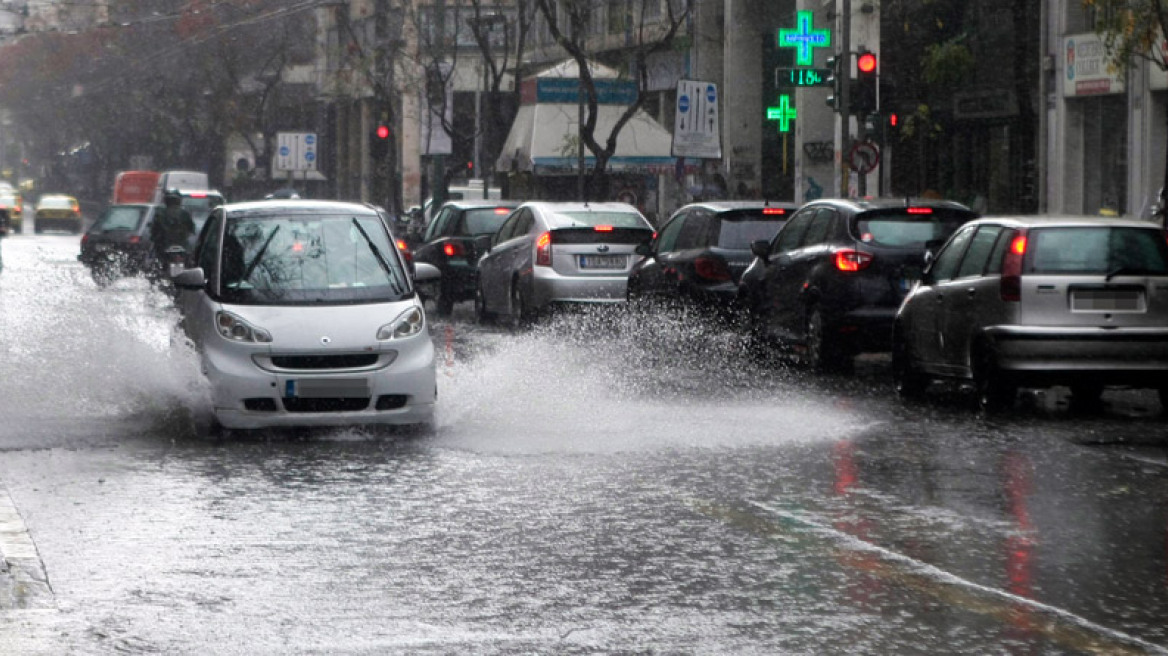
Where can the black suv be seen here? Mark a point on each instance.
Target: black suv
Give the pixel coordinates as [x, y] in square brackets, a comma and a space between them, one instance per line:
[697, 257]
[831, 281]
[449, 244]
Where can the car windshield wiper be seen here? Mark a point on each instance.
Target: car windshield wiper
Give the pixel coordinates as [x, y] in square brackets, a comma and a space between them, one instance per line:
[380, 257]
[259, 255]
[1123, 271]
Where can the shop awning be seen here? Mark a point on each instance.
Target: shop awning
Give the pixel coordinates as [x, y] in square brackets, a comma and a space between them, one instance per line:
[543, 141]
[543, 138]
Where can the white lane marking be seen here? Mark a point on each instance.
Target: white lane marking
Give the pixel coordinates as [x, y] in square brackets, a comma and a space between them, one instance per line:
[934, 572]
[15, 542]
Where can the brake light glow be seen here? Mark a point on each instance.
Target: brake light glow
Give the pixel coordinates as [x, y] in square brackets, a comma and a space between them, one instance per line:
[453, 249]
[135, 239]
[712, 269]
[603, 228]
[502, 210]
[1011, 285]
[849, 260]
[197, 195]
[773, 210]
[920, 210]
[298, 247]
[543, 250]
[404, 249]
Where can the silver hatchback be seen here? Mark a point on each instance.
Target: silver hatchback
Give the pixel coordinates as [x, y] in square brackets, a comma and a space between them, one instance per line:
[1039, 301]
[304, 314]
[549, 253]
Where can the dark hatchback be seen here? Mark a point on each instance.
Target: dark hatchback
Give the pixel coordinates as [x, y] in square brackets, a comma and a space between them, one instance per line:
[117, 245]
[698, 256]
[829, 284]
[449, 244]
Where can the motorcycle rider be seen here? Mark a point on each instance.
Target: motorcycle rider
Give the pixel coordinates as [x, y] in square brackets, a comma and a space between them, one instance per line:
[172, 226]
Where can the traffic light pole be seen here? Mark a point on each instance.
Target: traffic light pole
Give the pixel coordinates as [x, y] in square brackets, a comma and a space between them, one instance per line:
[845, 111]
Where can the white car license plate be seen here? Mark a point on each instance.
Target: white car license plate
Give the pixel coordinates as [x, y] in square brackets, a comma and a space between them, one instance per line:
[1107, 300]
[326, 388]
[602, 261]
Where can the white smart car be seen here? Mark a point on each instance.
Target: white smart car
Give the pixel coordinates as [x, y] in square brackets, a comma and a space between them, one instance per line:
[304, 314]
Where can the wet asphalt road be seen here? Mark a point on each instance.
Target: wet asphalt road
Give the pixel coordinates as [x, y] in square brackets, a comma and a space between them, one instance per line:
[596, 485]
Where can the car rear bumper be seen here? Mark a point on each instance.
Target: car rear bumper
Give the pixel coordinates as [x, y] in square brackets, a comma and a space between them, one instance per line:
[55, 223]
[1103, 355]
[550, 287]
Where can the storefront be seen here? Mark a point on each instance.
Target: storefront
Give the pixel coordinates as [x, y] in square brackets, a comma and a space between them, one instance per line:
[1092, 175]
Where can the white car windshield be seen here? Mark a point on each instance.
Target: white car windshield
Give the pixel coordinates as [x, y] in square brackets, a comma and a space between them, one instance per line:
[310, 259]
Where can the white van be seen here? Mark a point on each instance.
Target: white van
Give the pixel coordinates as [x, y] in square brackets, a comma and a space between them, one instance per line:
[180, 180]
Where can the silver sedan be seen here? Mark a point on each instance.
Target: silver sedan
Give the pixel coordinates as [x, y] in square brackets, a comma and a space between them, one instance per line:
[554, 253]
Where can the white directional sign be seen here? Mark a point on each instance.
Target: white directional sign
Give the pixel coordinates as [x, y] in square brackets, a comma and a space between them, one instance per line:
[295, 151]
[695, 127]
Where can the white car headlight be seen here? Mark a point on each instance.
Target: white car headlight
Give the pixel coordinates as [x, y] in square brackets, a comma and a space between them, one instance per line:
[411, 322]
[237, 330]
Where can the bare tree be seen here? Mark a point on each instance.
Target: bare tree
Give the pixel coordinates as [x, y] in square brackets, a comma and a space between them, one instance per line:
[648, 37]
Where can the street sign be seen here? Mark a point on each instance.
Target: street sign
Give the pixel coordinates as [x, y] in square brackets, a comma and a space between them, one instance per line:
[864, 157]
[696, 132]
[295, 151]
[802, 77]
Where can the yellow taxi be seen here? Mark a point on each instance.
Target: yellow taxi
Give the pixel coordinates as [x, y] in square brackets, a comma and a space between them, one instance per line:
[57, 212]
[11, 210]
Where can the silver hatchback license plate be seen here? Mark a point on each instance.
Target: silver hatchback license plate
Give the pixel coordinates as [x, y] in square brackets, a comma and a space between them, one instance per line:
[1106, 300]
[326, 388]
[602, 261]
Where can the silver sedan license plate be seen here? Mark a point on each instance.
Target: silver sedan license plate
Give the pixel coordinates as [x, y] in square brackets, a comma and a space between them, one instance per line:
[602, 261]
[1126, 300]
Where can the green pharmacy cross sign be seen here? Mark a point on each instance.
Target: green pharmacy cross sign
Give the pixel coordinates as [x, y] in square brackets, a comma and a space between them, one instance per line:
[803, 38]
[784, 113]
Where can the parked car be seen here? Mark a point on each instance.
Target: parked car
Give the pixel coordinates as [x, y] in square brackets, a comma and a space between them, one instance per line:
[699, 254]
[11, 211]
[449, 244]
[829, 284]
[117, 245]
[550, 253]
[57, 212]
[1039, 301]
[304, 314]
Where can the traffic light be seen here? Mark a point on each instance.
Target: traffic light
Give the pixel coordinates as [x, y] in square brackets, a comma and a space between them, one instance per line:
[864, 100]
[379, 141]
[833, 79]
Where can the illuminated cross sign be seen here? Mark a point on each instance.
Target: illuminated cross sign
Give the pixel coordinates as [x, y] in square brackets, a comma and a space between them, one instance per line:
[803, 38]
[784, 113]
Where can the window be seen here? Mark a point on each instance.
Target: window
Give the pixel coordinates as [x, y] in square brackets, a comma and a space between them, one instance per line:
[946, 263]
[484, 221]
[438, 225]
[1099, 250]
[820, 229]
[738, 230]
[668, 236]
[693, 233]
[792, 234]
[978, 254]
[617, 19]
[507, 230]
[295, 259]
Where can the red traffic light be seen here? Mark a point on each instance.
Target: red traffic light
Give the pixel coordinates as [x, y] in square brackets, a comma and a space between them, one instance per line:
[866, 62]
[383, 132]
[893, 119]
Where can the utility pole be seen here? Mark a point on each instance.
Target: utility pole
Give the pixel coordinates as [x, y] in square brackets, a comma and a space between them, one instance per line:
[845, 40]
[438, 160]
